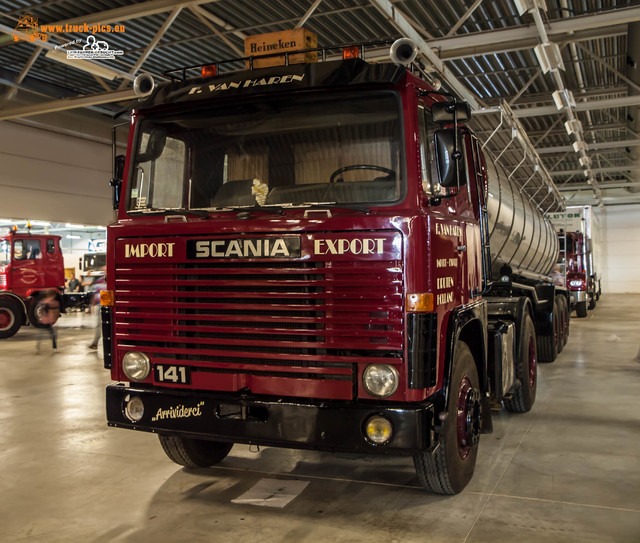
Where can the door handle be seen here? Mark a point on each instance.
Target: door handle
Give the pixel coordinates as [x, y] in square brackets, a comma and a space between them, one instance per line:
[461, 248]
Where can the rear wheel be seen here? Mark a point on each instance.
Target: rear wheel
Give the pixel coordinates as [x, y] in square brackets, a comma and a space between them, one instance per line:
[194, 453]
[548, 343]
[581, 309]
[10, 318]
[526, 370]
[450, 468]
[592, 302]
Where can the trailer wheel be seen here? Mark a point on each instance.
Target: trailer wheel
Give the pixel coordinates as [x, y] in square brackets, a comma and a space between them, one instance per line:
[450, 467]
[581, 310]
[548, 344]
[194, 453]
[526, 371]
[559, 324]
[10, 318]
[566, 315]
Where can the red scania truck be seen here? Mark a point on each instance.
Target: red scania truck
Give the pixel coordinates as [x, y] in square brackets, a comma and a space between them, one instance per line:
[320, 256]
[30, 264]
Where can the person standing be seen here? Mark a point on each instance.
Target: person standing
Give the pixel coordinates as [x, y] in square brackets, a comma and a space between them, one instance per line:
[74, 284]
[48, 311]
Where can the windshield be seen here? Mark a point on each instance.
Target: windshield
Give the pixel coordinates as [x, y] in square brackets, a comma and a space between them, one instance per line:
[5, 252]
[294, 150]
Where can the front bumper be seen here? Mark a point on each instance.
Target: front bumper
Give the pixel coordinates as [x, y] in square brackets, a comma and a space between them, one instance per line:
[330, 426]
[578, 296]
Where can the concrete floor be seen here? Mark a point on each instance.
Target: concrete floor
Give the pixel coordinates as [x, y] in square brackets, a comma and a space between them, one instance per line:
[568, 471]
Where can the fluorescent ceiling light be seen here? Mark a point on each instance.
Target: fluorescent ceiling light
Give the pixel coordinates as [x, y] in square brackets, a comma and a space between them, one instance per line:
[85, 65]
[69, 236]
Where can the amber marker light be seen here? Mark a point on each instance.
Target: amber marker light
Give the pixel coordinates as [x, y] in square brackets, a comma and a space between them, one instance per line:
[208, 71]
[420, 302]
[351, 52]
[107, 298]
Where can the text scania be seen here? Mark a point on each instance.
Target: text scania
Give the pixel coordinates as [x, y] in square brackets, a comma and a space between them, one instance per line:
[247, 248]
[153, 250]
[367, 246]
[261, 82]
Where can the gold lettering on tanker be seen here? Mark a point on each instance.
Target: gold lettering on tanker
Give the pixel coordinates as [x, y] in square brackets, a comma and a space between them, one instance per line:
[367, 246]
[446, 263]
[178, 412]
[444, 229]
[153, 250]
[444, 283]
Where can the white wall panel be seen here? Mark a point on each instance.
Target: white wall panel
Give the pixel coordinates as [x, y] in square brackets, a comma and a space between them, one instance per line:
[621, 249]
[53, 177]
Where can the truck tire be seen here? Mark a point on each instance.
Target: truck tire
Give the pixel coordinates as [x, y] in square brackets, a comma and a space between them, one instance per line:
[592, 302]
[559, 325]
[194, 453]
[581, 310]
[564, 305]
[526, 370]
[10, 318]
[450, 467]
[33, 312]
[548, 344]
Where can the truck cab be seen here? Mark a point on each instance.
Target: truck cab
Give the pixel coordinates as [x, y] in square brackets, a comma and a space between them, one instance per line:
[29, 265]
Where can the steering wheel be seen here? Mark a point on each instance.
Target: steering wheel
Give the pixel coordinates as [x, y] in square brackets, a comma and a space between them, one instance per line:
[360, 167]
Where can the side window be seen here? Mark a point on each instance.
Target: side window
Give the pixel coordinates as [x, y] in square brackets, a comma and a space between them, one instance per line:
[51, 246]
[27, 249]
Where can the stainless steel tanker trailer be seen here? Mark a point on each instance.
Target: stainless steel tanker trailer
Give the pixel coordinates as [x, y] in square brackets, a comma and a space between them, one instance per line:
[524, 249]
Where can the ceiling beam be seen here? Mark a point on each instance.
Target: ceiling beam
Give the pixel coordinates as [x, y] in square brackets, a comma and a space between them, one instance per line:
[67, 103]
[608, 169]
[543, 111]
[591, 146]
[585, 27]
[603, 186]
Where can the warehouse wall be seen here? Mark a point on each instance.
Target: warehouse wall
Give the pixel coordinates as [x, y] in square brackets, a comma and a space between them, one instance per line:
[621, 249]
[54, 177]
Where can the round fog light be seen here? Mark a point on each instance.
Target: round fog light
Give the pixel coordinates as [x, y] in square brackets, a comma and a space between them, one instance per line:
[378, 430]
[134, 408]
[136, 365]
[380, 380]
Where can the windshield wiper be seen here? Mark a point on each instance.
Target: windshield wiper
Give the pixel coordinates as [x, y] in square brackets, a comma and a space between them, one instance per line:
[322, 205]
[173, 211]
[277, 210]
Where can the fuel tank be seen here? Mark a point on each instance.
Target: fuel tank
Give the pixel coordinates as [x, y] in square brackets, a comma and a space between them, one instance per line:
[519, 234]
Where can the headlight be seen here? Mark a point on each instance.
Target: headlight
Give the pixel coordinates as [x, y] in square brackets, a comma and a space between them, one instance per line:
[378, 430]
[136, 366]
[133, 408]
[380, 380]
[576, 283]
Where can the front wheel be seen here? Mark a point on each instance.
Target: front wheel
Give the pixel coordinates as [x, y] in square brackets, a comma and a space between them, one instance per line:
[581, 309]
[194, 453]
[450, 468]
[10, 318]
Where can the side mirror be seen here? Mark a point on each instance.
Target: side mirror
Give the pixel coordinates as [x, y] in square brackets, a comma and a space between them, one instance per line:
[448, 158]
[116, 180]
[445, 112]
[155, 145]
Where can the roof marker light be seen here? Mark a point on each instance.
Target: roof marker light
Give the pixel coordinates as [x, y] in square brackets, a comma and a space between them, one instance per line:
[351, 52]
[209, 70]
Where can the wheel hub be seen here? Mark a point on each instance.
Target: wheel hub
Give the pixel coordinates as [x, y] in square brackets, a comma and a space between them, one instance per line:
[532, 363]
[6, 319]
[469, 417]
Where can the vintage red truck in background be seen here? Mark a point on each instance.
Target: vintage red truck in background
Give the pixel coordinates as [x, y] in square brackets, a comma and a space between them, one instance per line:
[582, 280]
[321, 256]
[29, 265]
